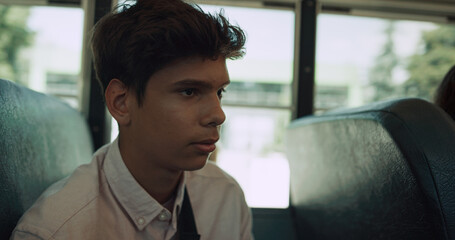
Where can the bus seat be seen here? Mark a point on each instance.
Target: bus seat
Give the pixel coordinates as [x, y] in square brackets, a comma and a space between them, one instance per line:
[383, 171]
[41, 141]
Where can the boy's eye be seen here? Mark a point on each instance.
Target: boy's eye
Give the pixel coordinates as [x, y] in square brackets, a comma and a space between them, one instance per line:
[220, 92]
[188, 92]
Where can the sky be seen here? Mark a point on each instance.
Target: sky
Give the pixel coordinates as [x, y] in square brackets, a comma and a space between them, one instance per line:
[57, 26]
[359, 39]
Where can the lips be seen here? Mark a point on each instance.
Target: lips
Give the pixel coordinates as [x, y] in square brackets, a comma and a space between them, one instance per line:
[206, 146]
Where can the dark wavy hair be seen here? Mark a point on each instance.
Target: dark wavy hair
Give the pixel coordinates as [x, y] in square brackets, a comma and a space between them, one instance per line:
[445, 95]
[133, 44]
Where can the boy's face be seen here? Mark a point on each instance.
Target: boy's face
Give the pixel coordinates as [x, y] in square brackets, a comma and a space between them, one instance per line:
[178, 124]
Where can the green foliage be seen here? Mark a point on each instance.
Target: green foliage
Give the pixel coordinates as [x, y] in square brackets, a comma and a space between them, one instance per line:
[428, 67]
[381, 74]
[14, 35]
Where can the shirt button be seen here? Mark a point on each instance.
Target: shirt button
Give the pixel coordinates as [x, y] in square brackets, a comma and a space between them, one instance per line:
[164, 216]
[140, 221]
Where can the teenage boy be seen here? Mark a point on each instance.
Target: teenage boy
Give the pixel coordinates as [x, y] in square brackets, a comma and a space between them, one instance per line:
[161, 64]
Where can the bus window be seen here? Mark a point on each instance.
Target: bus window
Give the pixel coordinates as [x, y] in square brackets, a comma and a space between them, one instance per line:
[362, 59]
[44, 46]
[257, 104]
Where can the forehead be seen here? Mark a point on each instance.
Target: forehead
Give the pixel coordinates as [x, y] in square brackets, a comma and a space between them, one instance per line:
[192, 69]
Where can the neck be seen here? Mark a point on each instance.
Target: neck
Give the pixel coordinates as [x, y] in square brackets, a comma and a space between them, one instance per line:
[160, 183]
[161, 189]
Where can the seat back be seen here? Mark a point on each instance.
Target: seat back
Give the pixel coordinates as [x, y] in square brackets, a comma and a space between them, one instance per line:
[41, 141]
[384, 171]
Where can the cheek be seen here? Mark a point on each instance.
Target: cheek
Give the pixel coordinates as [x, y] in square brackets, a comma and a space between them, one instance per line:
[169, 116]
[175, 120]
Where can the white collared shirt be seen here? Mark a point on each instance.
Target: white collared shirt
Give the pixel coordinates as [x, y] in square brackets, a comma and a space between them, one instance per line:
[102, 200]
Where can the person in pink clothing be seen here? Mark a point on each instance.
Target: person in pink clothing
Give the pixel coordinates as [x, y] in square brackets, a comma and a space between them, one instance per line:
[162, 68]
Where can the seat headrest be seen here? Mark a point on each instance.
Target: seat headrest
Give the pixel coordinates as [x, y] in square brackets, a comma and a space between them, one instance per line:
[383, 171]
[41, 141]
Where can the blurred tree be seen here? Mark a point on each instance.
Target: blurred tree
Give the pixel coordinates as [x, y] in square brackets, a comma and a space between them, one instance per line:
[381, 74]
[428, 67]
[14, 35]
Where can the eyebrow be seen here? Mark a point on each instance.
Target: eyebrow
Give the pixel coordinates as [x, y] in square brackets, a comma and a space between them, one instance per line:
[197, 83]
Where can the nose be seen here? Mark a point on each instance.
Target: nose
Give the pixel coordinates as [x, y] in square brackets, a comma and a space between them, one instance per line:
[213, 113]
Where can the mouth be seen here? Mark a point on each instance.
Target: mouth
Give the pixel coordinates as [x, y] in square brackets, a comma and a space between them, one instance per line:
[206, 146]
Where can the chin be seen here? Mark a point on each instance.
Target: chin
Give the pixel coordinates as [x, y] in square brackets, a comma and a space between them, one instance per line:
[196, 163]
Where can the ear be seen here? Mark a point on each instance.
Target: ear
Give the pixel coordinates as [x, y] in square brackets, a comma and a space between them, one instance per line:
[116, 95]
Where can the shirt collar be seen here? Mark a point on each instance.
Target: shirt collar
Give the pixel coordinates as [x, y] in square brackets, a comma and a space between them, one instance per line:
[140, 206]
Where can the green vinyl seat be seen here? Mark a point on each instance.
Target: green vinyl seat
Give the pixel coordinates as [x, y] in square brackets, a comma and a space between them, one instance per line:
[42, 140]
[382, 171]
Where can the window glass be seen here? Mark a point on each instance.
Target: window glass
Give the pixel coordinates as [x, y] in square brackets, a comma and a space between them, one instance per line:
[258, 105]
[41, 49]
[251, 150]
[361, 60]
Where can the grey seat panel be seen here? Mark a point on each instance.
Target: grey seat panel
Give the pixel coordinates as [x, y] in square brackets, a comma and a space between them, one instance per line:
[41, 141]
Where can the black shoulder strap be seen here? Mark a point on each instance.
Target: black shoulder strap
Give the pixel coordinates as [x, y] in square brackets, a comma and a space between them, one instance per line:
[186, 226]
